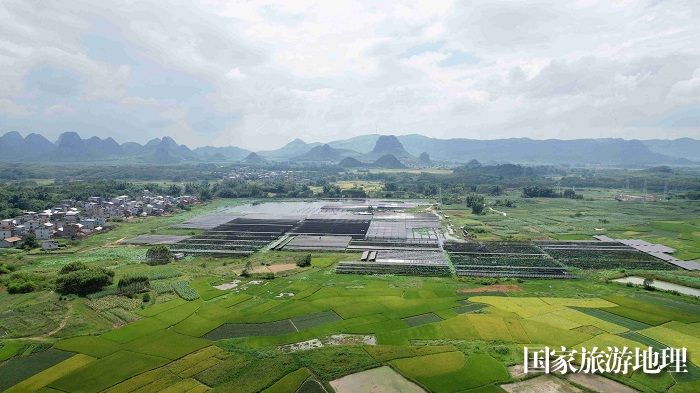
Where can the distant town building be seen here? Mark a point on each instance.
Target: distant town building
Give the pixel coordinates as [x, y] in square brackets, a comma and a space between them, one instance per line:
[636, 198]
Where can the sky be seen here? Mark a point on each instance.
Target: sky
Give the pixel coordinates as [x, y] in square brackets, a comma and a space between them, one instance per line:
[257, 74]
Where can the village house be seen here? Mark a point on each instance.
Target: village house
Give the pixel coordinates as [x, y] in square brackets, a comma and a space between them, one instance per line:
[44, 232]
[13, 241]
[88, 223]
[74, 219]
[49, 245]
[19, 230]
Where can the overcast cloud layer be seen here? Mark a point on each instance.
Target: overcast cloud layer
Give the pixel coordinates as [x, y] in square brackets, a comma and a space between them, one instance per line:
[258, 74]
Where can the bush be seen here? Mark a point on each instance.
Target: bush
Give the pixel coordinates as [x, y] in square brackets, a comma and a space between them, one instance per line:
[5, 268]
[501, 349]
[158, 255]
[304, 261]
[73, 267]
[648, 284]
[146, 297]
[133, 284]
[22, 283]
[82, 281]
[30, 242]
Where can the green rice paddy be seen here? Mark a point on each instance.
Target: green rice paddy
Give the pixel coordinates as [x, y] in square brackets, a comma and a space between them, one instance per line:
[206, 339]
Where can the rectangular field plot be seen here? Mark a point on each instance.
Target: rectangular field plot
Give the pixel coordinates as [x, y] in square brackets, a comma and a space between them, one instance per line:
[602, 255]
[403, 227]
[316, 319]
[469, 307]
[503, 259]
[38, 381]
[613, 318]
[313, 242]
[241, 236]
[406, 268]
[486, 248]
[233, 330]
[107, 371]
[422, 319]
[155, 239]
[399, 262]
[20, 368]
[512, 271]
[355, 228]
[167, 344]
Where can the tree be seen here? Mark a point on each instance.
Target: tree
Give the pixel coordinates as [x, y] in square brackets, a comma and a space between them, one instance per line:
[476, 202]
[133, 284]
[30, 242]
[478, 208]
[539, 192]
[304, 261]
[158, 255]
[246, 269]
[82, 280]
[571, 194]
[174, 190]
[648, 284]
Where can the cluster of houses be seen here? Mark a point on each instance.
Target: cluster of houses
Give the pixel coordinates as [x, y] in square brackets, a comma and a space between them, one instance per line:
[636, 198]
[253, 173]
[72, 219]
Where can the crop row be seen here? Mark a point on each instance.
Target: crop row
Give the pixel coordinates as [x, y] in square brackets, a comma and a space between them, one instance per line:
[187, 246]
[183, 289]
[406, 269]
[162, 287]
[537, 261]
[493, 247]
[625, 259]
[513, 272]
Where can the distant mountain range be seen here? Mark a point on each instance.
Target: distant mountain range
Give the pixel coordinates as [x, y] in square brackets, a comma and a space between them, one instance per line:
[366, 150]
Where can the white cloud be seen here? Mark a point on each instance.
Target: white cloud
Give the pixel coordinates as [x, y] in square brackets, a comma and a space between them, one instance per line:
[59, 110]
[260, 73]
[10, 108]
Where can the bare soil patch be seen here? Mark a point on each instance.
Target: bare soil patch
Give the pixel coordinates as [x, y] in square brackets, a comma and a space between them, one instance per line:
[333, 340]
[599, 383]
[541, 384]
[518, 371]
[275, 268]
[493, 288]
[377, 380]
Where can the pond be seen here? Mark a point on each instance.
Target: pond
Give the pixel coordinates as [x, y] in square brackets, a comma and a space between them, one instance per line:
[661, 285]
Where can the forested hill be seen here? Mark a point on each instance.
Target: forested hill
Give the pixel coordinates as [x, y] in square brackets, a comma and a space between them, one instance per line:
[70, 147]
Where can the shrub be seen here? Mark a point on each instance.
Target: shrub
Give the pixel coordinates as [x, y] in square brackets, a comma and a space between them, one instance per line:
[648, 284]
[132, 284]
[146, 297]
[21, 283]
[158, 255]
[73, 267]
[501, 349]
[304, 261]
[476, 202]
[30, 242]
[82, 281]
[5, 268]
